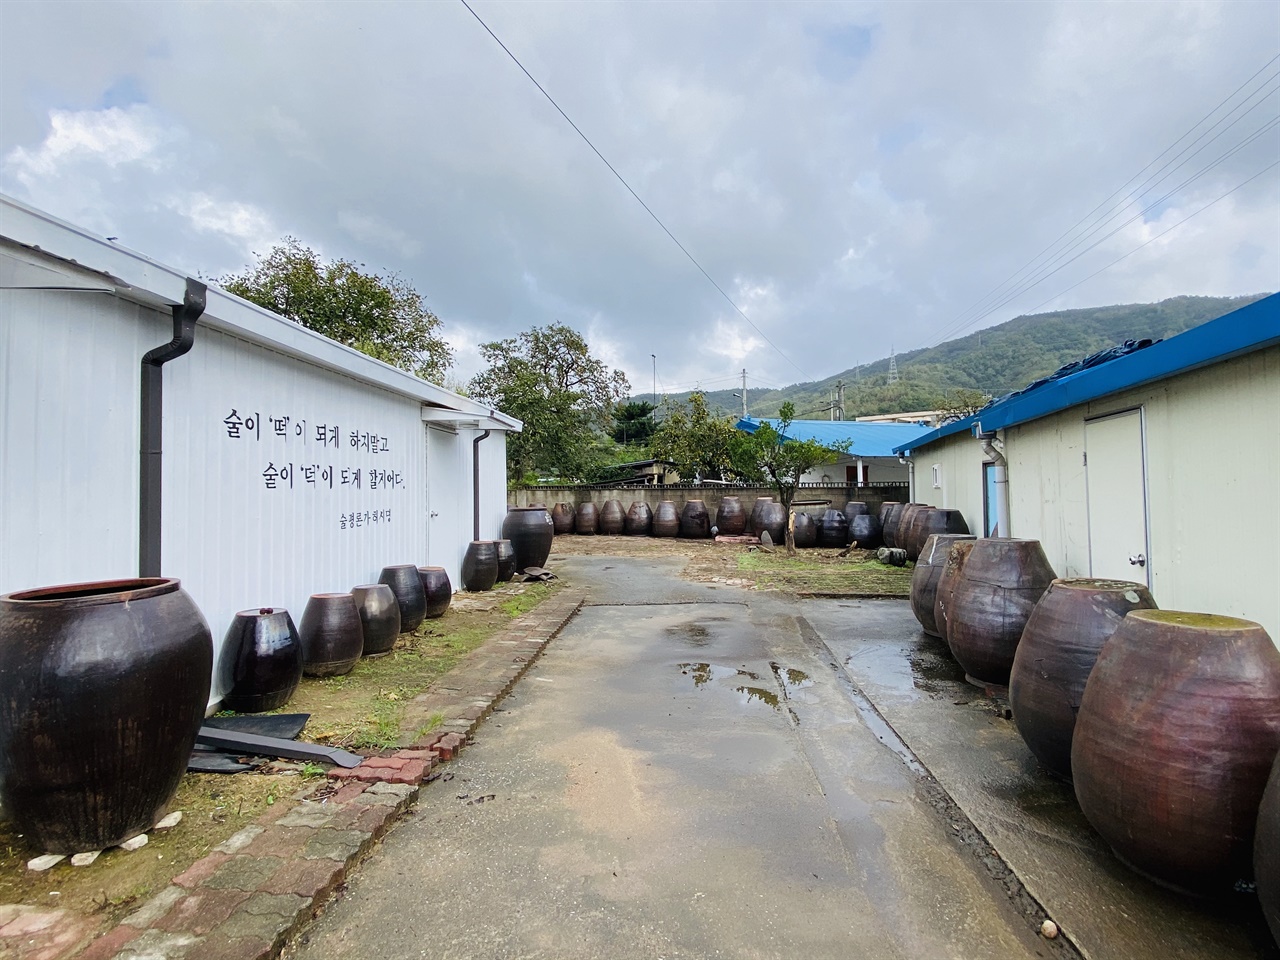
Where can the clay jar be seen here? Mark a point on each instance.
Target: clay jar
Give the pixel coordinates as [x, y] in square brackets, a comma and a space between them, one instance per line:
[864, 530]
[695, 521]
[804, 531]
[998, 587]
[833, 531]
[753, 518]
[332, 638]
[927, 574]
[437, 588]
[666, 519]
[260, 664]
[931, 521]
[506, 560]
[612, 518]
[1059, 646]
[731, 517]
[530, 531]
[1266, 851]
[1174, 741]
[902, 533]
[562, 517]
[379, 617]
[405, 583]
[890, 523]
[639, 522]
[771, 518]
[588, 518]
[105, 685]
[480, 566]
[947, 581]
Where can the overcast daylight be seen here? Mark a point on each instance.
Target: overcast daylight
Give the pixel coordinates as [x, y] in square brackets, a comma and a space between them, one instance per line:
[854, 176]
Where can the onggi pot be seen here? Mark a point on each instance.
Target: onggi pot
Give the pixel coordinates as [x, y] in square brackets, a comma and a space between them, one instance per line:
[562, 515]
[480, 566]
[587, 520]
[105, 685]
[379, 617]
[639, 522]
[695, 522]
[1174, 741]
[612, 518]
[927, 574]
[530, 531]
[947, 580]
[804, 530]
[506, 560]
[864, 530]
[331, 633]
[1266, 851]
[833, 529]
[405, 583]
[666, 519]
[437, 588]
[260, 663]
[731, 518]
[771, 518]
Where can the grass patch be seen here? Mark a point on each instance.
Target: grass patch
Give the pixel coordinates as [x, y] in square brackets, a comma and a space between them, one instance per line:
[823, 572]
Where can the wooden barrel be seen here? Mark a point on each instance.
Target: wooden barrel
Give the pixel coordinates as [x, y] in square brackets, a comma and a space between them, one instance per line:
[666, 519]
[937, 520]
[562, 517]
[947, 581]
[804, 530]
[639, 522]
[731, 517]
[927, 574]
[695, 521]
[998, 587]
[1059, 646]
[1266, 851]
[1176, 735]
[612, 518]
[587, 520]
[864, 530]
[530, 531]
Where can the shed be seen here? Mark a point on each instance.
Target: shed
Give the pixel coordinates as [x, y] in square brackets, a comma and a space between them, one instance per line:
[288, 464]
[871, 459]
[1159, 465]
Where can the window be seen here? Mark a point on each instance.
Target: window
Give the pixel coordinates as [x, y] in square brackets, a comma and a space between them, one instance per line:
[937, 476]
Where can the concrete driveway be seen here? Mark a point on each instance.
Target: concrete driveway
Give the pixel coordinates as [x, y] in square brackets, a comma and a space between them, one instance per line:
[682, 775]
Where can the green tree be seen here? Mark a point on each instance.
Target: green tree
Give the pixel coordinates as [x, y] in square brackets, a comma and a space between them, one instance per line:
[702, 444]
[785, 461]
[378, 314]
[548, 378]
[633, 422]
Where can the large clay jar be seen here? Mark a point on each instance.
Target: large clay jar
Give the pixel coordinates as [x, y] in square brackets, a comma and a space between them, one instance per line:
[773, 520]
[753, 518]
[530, 531]
[1059, 646]
[588, 518]
[639, 522]
[405, 583]
[950, 576]
[998, 588]
[1176, 735]
[890, 523]
[833, 531]
[927, 574]
[562, 516]
[902, 533]
[612, 518]
[939, 520]
[1266, 851]
[695, 521]
[885, 508]
[379, 617]
[437, 588]
[909, 533]
[480, 566]
[731, 517]
[666, 519]
[331, 634]
[804, 531]
[853, 509]
[864, 530]
[260, 664]
[105, 685]
[506, 560]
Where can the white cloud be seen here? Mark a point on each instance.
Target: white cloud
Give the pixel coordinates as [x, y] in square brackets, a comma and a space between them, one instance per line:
[379, 233]
[105, 138]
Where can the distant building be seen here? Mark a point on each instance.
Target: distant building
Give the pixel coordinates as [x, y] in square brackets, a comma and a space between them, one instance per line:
[871, 459]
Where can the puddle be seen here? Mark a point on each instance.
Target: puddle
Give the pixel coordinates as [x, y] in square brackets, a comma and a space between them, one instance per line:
[694, 633]
[704, 672]
[758, 693]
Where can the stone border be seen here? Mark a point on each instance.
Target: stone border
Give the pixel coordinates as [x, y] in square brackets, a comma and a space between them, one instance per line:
[245, 899]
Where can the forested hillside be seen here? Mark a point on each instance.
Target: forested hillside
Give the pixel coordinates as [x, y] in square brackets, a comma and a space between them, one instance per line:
[992, 361]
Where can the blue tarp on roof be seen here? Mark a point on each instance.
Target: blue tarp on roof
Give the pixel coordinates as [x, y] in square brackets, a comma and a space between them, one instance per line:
[1234, 334]
[868, 439]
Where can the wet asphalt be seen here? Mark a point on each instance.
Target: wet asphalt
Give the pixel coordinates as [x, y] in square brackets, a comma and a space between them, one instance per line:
[685, 773]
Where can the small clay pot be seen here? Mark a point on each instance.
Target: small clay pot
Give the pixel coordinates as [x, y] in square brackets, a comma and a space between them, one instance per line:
[731, 517]
[379, 618]
[612, 518]
[438, 590]
[666, 519]
[695, 521]
[639, 522]
[405, 583]
[927, 574]
[588, 519]
[331, 634]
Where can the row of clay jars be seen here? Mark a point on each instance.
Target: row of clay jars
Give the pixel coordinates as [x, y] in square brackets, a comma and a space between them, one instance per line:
[609, 520]
[927, 577]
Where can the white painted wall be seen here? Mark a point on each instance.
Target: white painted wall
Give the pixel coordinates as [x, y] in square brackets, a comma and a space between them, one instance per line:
[958, 460]
[879, 470]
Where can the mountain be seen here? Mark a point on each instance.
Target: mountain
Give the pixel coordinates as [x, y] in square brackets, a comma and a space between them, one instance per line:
[992, 361]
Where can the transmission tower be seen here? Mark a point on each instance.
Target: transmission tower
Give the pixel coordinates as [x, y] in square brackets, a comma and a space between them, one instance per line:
[893, 366]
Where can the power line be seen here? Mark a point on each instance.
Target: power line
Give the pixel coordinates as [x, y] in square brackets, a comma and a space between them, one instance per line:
[621, 180]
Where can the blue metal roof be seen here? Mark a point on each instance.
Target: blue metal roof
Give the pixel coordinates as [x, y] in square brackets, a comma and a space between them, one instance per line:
[1234, 334]
[867, 439]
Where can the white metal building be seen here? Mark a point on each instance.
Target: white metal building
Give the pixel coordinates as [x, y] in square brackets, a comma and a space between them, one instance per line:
[1161, 466]
[291, 464]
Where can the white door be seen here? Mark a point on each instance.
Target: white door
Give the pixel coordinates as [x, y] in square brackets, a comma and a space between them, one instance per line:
[1116, 478]
[443, 481]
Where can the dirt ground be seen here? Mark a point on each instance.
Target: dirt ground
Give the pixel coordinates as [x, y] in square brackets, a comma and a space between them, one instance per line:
[360, 711]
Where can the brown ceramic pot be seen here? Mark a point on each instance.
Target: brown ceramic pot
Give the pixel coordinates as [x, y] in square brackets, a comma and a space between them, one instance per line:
[1266, 851]
[666, 519]
[909, 536]
[1177, 731]
[902, 533]
[731, 517]
[480, 566]
[695, 521]
[893, 519]
[1059, 646]
[562, 517]
[612, 518]
[947, 581]
[639, 522]
[331, 633]
[587, 520]
[438, 590]
[927, 574]
[934, 520]
[753, 518]
[998, 587]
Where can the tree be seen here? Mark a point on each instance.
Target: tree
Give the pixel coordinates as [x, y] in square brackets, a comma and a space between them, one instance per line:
[548, 378]
[633, 422]
[701, 444]
[785, 461]
[381, 315]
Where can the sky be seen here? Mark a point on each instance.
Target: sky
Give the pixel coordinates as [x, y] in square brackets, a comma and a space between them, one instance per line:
[857, 178]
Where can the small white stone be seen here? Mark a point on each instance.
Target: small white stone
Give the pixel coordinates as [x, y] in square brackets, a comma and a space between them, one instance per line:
[84, 859]
[172, 820]
[43, 863]
[136, 843]
[1048, 929]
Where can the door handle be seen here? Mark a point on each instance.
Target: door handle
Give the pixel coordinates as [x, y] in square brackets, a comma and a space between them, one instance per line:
[434, 513]
[1138, 561]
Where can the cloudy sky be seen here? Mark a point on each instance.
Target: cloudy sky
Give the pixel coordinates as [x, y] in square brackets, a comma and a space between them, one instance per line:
[854, 176]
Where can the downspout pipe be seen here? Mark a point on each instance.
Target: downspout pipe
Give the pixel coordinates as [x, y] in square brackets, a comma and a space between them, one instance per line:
[475, 479]
[1001, 468]
[911, 477]
[150, 502]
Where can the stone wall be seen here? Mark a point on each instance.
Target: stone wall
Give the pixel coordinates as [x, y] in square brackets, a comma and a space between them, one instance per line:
[836, 495]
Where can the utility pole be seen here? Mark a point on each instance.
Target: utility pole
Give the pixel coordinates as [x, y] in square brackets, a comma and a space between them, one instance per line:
[839, 400]
[744, 393]
[653, 414]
